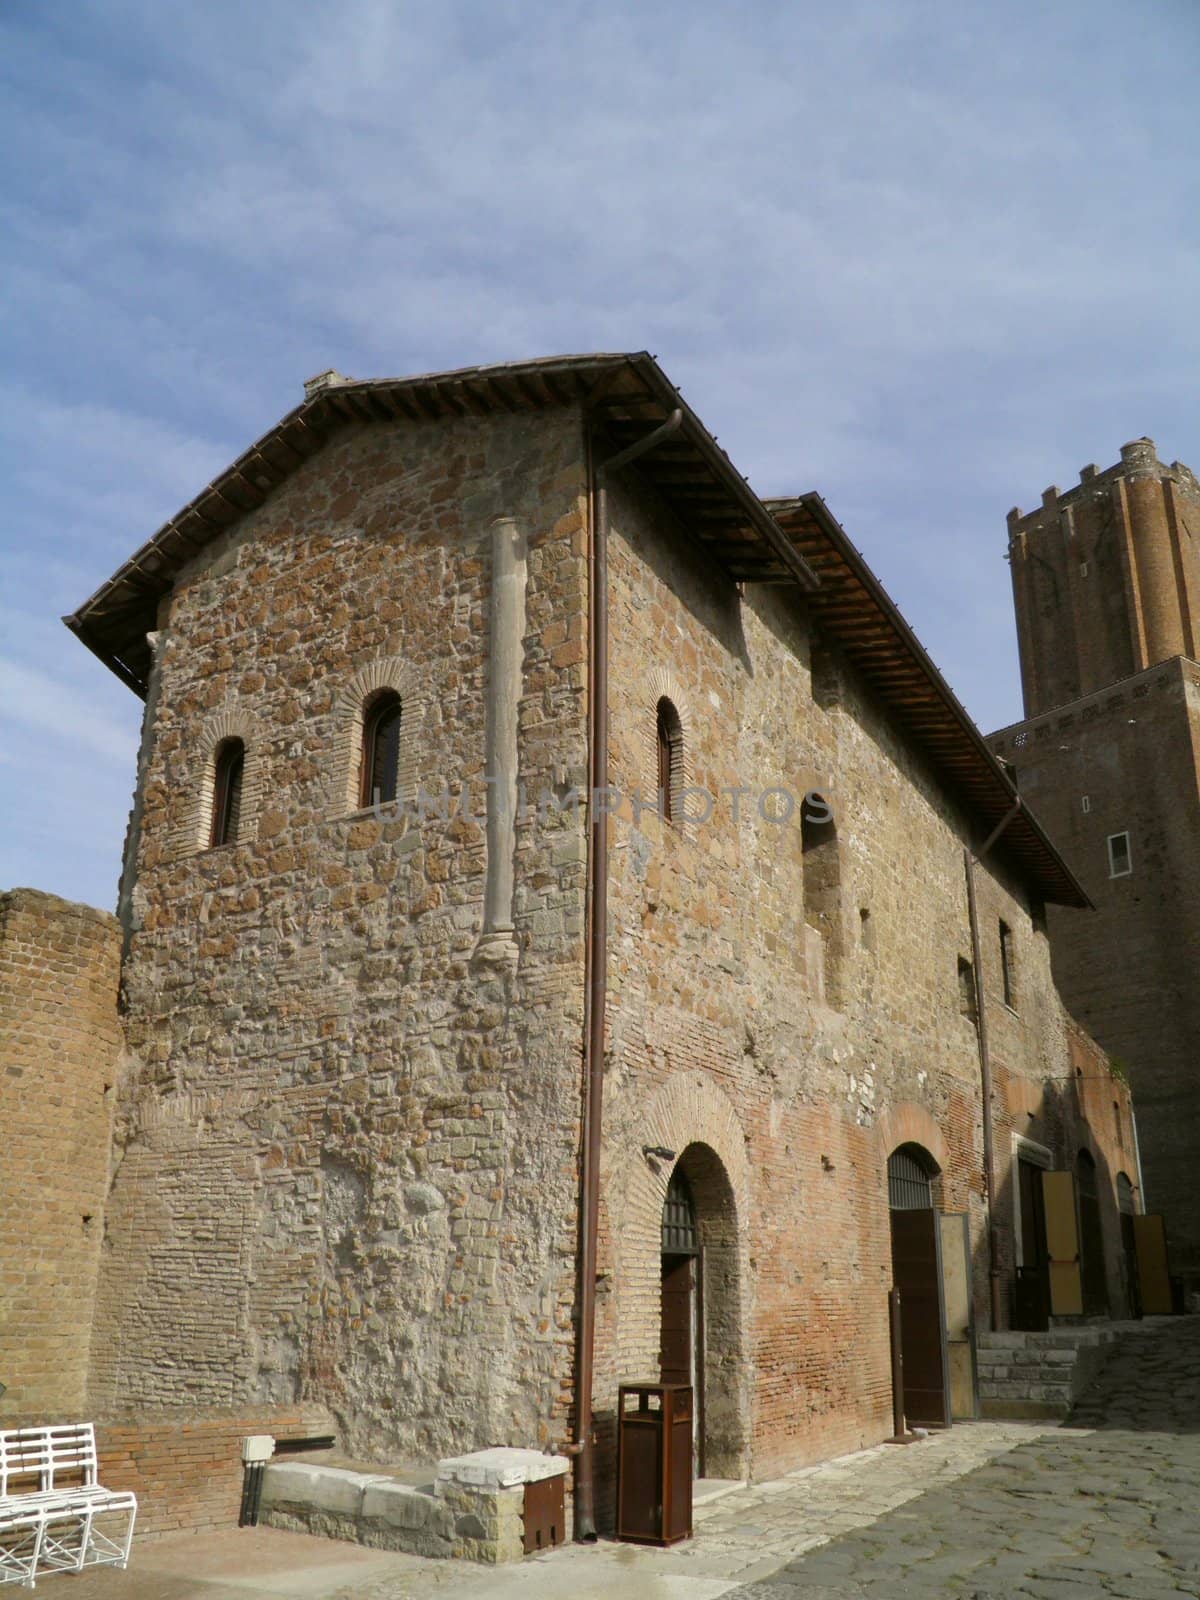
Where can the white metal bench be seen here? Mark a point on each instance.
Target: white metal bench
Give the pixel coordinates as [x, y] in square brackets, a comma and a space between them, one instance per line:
[54, 1515]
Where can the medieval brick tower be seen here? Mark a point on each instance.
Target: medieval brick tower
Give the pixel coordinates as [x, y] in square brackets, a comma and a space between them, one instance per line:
[1106, 583]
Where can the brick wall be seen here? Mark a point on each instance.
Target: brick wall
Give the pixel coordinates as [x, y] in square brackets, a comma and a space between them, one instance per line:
[185, 1466]
[783, 1035]
[60, 1042]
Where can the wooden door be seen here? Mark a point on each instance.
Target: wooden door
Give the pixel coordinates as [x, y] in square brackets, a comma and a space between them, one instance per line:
[1062, 1244]
[1154, 1283]
[678, 1319]
[917, 1273]
[681, 1354]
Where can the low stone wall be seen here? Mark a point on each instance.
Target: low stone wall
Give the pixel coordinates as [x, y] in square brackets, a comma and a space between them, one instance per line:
[474, 1510]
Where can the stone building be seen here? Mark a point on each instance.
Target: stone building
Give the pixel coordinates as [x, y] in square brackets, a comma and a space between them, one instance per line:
[373, 930]
[1106, 582]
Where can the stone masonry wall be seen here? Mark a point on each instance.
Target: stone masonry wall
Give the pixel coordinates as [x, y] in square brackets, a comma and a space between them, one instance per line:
[60, 1043]
[347, 1153]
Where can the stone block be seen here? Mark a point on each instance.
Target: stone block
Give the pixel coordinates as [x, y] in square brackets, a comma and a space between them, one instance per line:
[500, 1468]
[402, 1506]
[333, 1490]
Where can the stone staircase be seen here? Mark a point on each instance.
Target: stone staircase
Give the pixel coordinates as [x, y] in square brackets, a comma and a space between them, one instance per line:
[1040, 1374]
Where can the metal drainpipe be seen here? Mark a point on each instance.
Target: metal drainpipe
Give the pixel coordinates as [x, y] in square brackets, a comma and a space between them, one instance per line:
[596, 982]
[985, 1066]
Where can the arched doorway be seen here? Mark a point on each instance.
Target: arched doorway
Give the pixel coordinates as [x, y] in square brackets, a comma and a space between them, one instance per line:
[701, 1315]
[917, 1274]
[1091, 1237]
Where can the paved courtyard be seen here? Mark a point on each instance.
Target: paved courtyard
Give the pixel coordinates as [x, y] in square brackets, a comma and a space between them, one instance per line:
[1107, 1506]
[1111, 1511]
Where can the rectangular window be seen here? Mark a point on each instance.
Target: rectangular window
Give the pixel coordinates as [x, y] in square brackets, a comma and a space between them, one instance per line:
[1006, 964]
[1086, 802]
[1120, 863]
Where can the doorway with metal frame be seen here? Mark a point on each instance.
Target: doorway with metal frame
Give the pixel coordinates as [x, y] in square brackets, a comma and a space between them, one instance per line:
[917, 1274]
[682, 1346]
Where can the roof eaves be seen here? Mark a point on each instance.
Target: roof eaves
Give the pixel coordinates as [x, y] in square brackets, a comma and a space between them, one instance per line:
[244, 485]
[1070, 891]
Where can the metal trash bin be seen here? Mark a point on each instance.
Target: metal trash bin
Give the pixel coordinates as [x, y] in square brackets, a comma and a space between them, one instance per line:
[654, 1462]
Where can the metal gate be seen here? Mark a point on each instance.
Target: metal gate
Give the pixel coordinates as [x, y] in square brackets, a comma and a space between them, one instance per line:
[681, 1349]
[1125, 1209]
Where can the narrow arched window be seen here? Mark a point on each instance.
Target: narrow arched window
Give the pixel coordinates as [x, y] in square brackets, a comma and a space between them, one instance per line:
[229, 765]
[380, 781]
[670, 756]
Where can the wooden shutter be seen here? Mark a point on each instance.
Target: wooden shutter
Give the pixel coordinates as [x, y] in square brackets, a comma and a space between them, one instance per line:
[1062, 1244]
[1154, 1284]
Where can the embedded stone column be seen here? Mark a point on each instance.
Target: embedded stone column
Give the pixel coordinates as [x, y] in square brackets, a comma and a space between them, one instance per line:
[506, 650]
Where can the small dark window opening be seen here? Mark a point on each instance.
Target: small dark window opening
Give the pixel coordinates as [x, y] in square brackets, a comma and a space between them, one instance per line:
[670, 752]
[966, 988]
[821, 866]
[381, 750]
[1037, 915]
[1006, 964]
[1117, 1120]
[1119, 862]
[230, 762]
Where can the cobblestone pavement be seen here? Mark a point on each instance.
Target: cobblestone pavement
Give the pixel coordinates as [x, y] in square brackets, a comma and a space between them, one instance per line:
[1109, 1505]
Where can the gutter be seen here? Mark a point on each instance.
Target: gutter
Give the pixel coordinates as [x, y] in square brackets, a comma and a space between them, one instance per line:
[596, 972]
[985, 1067]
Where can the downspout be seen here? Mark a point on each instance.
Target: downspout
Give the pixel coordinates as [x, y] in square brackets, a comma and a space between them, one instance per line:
[596, 974]
[985, 1067]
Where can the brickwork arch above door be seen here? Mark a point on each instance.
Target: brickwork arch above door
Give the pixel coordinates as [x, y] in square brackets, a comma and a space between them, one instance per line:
[687, 1110]
[910, 1123]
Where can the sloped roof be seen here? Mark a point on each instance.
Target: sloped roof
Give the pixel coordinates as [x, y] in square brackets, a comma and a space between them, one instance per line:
[795, 541]
[629, 394]
[855, 611]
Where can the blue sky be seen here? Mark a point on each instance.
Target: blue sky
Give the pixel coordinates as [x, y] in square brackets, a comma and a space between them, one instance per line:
[926, 256]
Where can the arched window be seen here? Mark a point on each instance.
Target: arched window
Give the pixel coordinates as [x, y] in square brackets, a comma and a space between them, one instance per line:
[229, 765]
[670, 757]
[679, 1218]
[380, 750]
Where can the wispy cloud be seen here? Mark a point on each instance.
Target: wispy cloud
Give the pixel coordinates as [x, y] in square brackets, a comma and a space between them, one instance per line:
[924, 256]
[35, 700]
